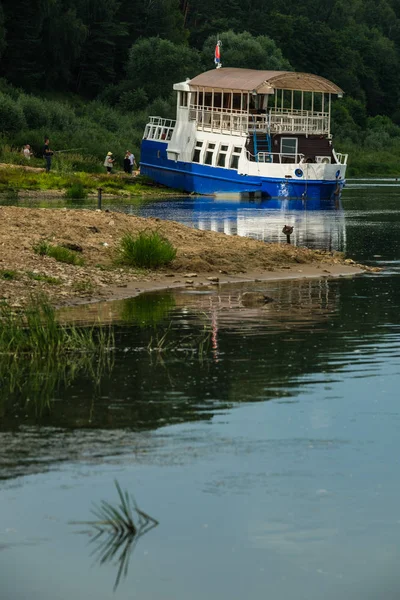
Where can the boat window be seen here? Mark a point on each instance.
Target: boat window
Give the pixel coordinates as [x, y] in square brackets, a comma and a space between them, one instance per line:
[289, 147]
[208, 159]
[184, 97]
[196, 153]
[221, 162]
[234, 163]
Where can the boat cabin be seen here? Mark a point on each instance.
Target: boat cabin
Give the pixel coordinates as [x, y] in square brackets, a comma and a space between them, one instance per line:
[284, 116]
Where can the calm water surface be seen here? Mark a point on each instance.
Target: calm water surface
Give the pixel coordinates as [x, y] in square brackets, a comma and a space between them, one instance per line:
[264, 441]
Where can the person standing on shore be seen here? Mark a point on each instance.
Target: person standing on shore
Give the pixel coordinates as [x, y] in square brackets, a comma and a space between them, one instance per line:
[109, 162]
[127, 162]
[27, 152]
[132, 162]
[47, 154]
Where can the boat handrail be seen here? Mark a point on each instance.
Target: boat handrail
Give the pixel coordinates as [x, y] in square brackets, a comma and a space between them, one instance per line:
[236, 122]
[162, 122]
[297, 111]
[268, 157]
[218, 109]
[159, 129]
[341, 158]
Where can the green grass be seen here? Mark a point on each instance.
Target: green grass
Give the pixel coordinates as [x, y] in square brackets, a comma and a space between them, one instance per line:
[77, 190]
[14, 180]
[148, 250]
[36, 330]
[84, 287]
[44, 278]
[38, 355]
[60, 253]
[8, 274]
[118, 528]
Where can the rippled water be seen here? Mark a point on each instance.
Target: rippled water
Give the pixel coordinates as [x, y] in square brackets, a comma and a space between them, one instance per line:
[264, 441]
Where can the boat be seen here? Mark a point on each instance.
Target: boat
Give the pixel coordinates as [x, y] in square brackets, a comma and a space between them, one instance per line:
[248, 132]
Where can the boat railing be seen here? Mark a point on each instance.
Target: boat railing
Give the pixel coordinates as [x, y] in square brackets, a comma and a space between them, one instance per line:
[159, 129]
[220, 120]
[306, 122]
[276, 157]
[341, 158]
[240, 122]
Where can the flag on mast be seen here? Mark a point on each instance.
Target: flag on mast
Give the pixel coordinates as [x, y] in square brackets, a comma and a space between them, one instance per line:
[217, 58]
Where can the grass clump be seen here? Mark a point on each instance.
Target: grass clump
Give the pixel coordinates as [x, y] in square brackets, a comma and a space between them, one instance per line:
[76, 191]
[44, 278]
[8, 274]
[149, 250]
[36, 330]
[83, 287]
[60, 253]
[118, 528]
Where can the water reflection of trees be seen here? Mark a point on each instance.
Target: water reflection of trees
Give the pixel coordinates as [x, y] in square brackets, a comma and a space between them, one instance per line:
[255, 355]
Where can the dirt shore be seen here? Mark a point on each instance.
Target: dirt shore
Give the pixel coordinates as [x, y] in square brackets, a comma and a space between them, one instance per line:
[203, 257]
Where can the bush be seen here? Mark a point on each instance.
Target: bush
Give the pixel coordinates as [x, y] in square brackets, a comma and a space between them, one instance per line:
[148, 250]
[60, 253]
[11, 115]
[34, 111]
[76, 190]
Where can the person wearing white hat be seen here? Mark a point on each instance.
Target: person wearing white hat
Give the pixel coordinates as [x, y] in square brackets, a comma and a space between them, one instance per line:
[109, 162]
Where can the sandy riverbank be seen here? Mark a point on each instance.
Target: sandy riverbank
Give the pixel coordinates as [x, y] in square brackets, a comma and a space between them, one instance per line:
[202, 257]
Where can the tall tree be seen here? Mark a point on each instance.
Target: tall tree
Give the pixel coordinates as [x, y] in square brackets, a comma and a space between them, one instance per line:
[154, 65]
[149, 18]
[63, 36]
[22, 61]
[103, 32]
[246, 51]
[2, 31]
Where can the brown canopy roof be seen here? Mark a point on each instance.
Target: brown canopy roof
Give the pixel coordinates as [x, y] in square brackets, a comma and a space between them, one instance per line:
[264, 82]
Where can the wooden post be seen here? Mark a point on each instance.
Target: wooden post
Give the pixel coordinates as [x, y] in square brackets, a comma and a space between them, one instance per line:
[287, 230]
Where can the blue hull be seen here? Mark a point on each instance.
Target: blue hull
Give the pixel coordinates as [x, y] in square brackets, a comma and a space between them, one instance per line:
[203, 179]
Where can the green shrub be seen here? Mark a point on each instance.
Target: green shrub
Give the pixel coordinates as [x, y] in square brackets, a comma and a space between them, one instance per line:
[44, 278]
[76, 190]
[148, 250]
[36, 329]
[8, 274]
[11, 115]
[60, 253]
[34, 111]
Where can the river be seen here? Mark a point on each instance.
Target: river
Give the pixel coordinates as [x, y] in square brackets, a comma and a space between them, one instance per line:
[264, 441]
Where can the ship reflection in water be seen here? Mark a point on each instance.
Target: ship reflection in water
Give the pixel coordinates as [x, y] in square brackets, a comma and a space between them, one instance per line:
[316, 224]
[322, 227]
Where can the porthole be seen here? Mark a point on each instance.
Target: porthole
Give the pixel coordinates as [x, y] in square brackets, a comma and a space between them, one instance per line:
[298, 173]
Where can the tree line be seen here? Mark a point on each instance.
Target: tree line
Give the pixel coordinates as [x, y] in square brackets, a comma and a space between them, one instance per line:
[83, 46]
[126, 54]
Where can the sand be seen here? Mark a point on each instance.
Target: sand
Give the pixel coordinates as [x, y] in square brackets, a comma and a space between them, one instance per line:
[201, 255]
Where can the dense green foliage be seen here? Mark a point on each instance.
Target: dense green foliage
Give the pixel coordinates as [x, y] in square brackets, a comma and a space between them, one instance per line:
[149, 250]
[88, 72]
[36, 329]
[60, 253]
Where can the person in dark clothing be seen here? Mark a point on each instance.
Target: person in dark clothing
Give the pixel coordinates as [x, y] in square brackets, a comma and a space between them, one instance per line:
[127, 162]
[47, 154]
